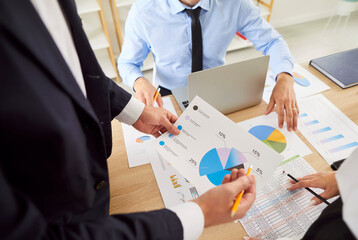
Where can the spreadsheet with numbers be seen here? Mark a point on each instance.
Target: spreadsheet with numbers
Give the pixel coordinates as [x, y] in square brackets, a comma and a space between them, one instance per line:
[278, 212]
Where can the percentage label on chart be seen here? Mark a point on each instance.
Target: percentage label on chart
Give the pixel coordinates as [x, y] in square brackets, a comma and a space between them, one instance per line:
[259, 171]
[193, 162]
[256, 153]
[222, 135]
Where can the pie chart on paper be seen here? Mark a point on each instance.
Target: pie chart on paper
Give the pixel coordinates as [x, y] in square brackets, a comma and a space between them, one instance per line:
[270, 136]
[218, 162]
[301, 80]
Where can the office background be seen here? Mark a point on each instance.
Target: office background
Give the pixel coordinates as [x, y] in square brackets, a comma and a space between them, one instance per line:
[311, 28]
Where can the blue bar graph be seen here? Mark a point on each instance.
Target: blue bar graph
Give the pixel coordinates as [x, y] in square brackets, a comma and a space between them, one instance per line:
[330, 139]
[311, 123]
[302, 115]
[344, 147]
[321, 130]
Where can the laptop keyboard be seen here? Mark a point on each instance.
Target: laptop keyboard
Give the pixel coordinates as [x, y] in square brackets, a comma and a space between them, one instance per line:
[185, 103]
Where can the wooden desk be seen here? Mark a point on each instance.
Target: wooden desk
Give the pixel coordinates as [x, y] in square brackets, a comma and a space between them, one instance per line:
[135, 189]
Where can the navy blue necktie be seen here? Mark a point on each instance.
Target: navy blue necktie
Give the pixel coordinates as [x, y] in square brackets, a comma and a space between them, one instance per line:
[196, 40]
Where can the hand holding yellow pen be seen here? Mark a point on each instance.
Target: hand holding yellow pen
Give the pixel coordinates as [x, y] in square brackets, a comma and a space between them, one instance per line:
[238, 199]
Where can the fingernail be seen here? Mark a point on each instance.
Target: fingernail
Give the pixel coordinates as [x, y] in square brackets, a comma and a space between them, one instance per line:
[246, 238]
[312, 203]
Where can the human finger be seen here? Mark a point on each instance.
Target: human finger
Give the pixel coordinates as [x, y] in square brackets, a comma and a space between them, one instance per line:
[270, 106]
[249, 196]
[234, 174]
[241, 172]
[156, 134]
[326, 194]
[310, 176]
[226, 179]
[305, 183]
[166, 122]
[295, 112]
[160, 100]
[289, 116]
[239, 184]
[163, 130]
[280, 113]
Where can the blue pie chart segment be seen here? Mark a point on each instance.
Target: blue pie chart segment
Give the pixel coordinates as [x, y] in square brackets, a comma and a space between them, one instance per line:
[218, 162]
[217, 178]
[235, 159]
[209, 163]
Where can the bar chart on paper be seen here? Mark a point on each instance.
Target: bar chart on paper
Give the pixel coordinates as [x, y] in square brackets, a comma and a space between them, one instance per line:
[331, 132]
[278, 212]
[174, 188]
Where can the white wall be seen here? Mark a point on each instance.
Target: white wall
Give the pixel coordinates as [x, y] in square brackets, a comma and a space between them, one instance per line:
[288, 12]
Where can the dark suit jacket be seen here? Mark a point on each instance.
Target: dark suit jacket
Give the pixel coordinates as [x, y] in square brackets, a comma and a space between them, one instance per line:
[330, 225]
[54, 143]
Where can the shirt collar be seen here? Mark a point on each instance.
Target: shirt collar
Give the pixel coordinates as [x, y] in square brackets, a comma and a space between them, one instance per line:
[176, 6]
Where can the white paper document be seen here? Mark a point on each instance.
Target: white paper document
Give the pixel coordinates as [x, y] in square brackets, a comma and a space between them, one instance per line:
[210, 145]
[265, 128]
[278, 212]
[306, 84]
[137, 143]
[331, 132]
[174, 188]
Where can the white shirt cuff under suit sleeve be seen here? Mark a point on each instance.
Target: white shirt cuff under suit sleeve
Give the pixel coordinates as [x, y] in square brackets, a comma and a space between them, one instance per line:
[192, 219]
[131, 112]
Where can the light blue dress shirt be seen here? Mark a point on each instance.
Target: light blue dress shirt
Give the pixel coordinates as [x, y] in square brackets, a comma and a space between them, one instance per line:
[162, 27]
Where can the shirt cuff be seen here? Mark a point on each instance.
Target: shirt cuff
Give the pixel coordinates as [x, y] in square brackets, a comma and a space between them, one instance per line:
[192, 219]
[283, 68]
[132, 78]
[131, 112]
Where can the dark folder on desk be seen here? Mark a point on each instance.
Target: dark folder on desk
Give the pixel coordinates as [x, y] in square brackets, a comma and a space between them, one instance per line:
[341, 68]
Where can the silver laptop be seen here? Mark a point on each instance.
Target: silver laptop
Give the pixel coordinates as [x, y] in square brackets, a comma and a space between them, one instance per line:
[227, 88]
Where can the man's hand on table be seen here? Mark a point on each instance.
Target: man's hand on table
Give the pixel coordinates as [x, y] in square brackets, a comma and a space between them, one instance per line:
[145, 92]
[154, 119]
[216, 203]
[283, 96]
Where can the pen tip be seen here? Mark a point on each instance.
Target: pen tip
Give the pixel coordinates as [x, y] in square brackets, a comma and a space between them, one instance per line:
[283, 171]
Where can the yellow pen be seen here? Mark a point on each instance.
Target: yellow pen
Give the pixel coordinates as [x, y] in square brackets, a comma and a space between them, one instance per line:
[156, 94]
[238, 199]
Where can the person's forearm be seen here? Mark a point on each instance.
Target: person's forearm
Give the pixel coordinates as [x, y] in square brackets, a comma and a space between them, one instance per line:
[129, 72]
[280, 57]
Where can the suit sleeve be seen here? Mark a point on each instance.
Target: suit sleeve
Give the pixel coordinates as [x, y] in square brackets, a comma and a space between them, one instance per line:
[21, 219]
[118, 98]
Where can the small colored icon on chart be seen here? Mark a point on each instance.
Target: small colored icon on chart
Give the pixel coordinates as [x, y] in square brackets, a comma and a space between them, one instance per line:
[180, 127]
[142, 139]
[161, 143]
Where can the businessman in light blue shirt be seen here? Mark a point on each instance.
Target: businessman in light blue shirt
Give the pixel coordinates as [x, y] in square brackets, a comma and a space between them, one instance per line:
[164, 28]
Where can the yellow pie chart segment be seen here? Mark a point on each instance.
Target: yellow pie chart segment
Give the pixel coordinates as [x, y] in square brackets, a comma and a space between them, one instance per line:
[277, 136]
